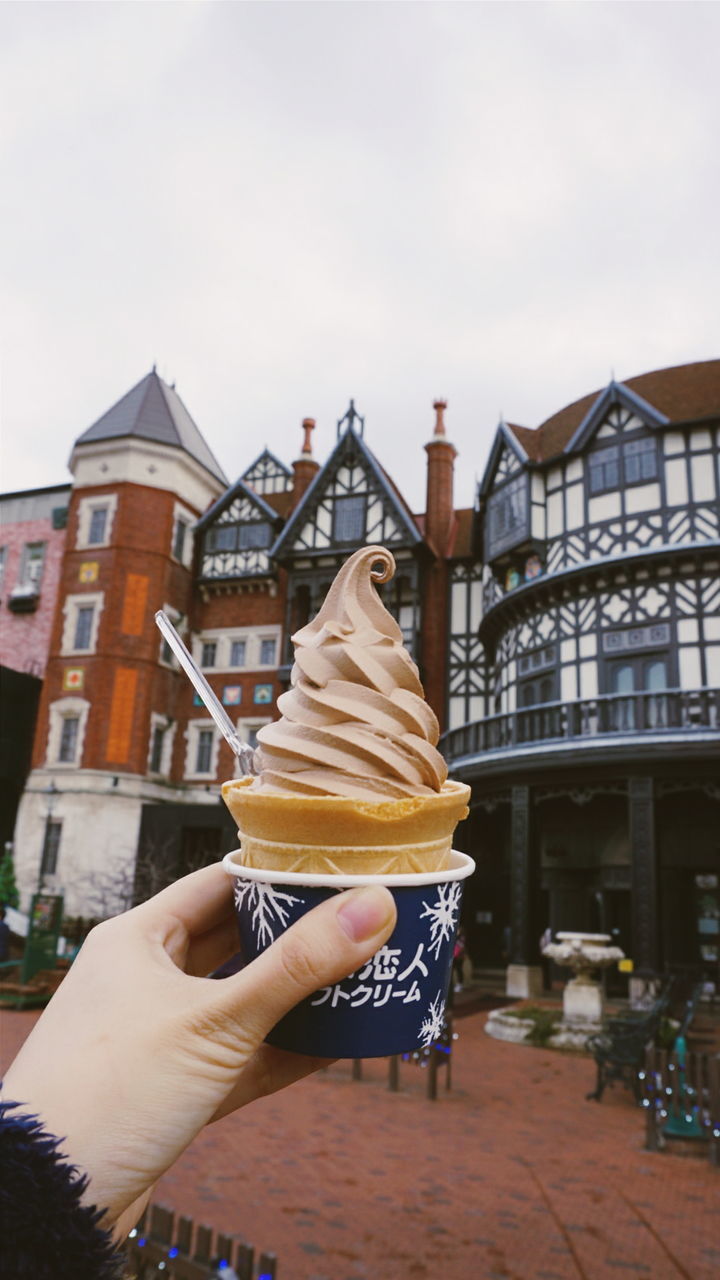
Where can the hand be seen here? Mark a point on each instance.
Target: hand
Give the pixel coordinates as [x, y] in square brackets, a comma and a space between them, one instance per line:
[136, 1052]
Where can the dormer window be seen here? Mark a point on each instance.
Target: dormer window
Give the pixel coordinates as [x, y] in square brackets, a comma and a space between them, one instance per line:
[349, 519]
[243, 537]
[253, 535]
[634, 462]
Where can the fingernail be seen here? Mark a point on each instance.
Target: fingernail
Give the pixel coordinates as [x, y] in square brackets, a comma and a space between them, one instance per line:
[363, 912]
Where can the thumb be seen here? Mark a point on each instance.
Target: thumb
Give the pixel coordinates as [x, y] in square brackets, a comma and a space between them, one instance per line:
[319, 950]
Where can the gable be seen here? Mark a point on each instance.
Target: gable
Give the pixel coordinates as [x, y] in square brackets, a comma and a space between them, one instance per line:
[507, 458]
[236, 534]
[267, 474]
[614, 413]
[350, 502]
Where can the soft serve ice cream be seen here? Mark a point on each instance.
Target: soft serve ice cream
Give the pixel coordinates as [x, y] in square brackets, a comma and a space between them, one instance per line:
[355, 721]
[350, 779]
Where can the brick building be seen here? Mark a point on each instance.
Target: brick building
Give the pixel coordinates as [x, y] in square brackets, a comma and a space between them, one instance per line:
[566, 630]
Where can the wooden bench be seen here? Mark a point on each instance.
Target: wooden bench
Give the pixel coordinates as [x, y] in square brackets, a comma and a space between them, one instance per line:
[179, 1250]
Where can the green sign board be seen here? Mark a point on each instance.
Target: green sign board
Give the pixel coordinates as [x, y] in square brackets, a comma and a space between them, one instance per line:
[43, 932]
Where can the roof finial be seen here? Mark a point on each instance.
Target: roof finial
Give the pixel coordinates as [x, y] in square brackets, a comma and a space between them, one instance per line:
[351, 417]
[439, 406]
[154, 368]
[308, 427]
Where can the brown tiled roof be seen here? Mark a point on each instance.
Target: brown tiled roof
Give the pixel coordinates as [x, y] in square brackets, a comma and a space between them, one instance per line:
[682, 393]
[280, 502]
[528, 438]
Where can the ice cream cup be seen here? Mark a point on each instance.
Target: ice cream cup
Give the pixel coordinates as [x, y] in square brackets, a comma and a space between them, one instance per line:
[392, 1004]
[330, 835]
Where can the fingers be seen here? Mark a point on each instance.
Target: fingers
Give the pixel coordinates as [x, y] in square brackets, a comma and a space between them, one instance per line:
[320, 949]
[199, 901]
[211, 949]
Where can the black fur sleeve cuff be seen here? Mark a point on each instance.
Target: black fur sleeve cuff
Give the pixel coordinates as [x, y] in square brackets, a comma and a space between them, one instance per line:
[45, 1230]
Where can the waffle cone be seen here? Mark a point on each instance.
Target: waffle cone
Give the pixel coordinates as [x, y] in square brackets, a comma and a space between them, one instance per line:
[332, 835]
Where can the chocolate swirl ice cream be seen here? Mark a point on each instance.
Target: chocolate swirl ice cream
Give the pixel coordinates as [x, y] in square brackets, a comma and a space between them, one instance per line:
[349, 779]
[354, 722]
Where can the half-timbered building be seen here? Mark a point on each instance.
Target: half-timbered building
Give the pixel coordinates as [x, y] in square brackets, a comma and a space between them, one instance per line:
[584, 676]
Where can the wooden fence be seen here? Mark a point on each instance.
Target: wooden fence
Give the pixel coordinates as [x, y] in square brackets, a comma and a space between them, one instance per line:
[176, 1249]
[681, 1097]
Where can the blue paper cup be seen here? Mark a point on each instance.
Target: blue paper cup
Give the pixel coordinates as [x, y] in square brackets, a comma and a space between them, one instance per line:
[392, 1004]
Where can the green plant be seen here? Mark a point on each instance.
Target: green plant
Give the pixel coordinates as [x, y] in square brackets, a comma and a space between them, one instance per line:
[9, 895]
[544, 1022]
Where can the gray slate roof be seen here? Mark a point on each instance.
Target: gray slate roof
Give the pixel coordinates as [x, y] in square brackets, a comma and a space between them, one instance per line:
[152, 410]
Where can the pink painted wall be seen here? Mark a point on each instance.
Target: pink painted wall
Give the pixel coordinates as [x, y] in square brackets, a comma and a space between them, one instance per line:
[25, 637]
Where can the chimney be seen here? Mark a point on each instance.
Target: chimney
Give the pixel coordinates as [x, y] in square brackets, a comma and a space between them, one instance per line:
[439, 505]
[305, 467]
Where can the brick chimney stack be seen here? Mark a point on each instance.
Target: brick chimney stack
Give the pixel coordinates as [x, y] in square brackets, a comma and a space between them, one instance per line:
[305, 467]
[439, 506]
[439, 522]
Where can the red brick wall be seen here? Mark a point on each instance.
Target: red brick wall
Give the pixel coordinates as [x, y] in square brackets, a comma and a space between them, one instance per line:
[137, 576]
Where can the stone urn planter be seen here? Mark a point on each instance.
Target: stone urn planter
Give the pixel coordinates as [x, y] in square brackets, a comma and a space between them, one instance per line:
[585, 954]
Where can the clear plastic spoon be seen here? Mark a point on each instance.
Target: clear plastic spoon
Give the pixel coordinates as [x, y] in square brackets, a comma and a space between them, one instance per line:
[244, 753]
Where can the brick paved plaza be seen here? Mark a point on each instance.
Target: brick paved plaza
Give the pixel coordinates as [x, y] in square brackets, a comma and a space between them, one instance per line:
[512, 1174]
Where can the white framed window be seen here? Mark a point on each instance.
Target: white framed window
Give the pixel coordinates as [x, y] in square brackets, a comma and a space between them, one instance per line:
[237, 648]
[181, 547]
[32, 563]
[208, 653]
[238, 651]
[268, 651]
[66, 732]
[160, 744]
[248, 729]
[166, 657]
[82, 619]
[201, 754]
[96, 516]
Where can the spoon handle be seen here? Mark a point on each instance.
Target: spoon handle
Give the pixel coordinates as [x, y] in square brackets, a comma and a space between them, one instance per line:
[244, 753]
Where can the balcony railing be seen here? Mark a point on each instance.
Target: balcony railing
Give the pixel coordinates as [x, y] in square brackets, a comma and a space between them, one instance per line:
[672, 711]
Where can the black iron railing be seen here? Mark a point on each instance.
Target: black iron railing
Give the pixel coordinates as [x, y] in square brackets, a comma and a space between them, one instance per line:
[672, 711]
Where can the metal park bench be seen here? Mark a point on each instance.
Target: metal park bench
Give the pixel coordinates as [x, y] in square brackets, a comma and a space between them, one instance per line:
[176, 1249]
[681, 1097]
[619, 1049]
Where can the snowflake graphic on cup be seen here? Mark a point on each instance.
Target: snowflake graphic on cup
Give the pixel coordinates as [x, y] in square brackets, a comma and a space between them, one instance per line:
[431, 1027]
[443, 915]
[269, 906]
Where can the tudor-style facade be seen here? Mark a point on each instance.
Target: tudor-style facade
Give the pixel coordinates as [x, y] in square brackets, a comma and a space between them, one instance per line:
[598, 635]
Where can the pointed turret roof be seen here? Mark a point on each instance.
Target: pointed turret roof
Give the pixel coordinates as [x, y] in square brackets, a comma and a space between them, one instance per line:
[152, 410]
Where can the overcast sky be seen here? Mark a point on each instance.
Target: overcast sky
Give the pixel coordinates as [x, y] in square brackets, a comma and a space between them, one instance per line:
[287, 204]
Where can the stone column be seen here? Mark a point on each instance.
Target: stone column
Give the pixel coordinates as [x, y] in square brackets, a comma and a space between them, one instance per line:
[641, 822]
[523, 978]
